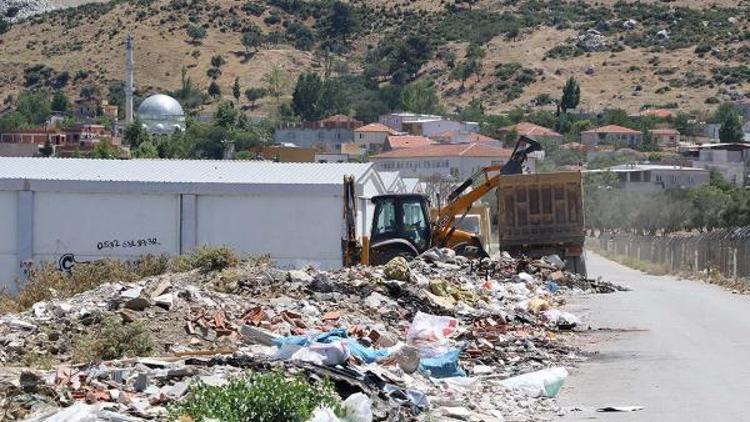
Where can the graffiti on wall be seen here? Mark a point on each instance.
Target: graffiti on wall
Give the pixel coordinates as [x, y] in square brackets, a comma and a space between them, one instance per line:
[68, 261]
[132, 243]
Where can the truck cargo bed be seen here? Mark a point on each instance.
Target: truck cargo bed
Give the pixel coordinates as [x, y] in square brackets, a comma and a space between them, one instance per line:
[540, 209]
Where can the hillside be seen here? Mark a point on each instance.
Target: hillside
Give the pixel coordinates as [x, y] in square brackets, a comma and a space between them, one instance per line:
[530, 48]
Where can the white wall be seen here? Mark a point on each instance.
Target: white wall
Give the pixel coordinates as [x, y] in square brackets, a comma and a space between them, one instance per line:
[294, 230]
[8, 258]
[83, 223]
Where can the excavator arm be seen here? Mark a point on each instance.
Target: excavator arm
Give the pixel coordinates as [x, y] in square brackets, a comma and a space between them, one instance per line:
[459, 202]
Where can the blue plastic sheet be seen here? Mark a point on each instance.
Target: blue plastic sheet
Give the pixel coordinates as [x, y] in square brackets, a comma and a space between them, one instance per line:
[443, 366]
[366, 354]
[552, 287]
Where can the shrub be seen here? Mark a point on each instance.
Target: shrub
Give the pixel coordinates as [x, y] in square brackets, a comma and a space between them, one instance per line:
[253, 8]
[214, 258]
[258, 397]
[113, 340]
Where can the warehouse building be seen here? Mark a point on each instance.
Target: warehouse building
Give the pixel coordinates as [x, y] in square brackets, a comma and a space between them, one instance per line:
[75, 210]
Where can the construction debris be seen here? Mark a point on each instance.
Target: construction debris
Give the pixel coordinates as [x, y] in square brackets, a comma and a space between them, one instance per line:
[464, 339]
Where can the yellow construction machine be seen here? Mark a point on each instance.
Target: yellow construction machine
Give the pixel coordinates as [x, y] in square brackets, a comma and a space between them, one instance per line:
[401, 224]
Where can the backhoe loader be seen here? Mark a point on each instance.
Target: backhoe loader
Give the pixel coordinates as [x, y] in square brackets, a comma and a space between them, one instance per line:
[401, 224]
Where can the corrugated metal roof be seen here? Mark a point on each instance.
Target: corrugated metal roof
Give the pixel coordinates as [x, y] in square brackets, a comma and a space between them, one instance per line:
[180, 171]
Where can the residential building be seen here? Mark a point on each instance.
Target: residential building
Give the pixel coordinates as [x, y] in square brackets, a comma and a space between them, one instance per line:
[372, 137]
[87, 134]
[453, 161]
[87, 107]
[462, 137]
[349, 152]
[406, 141]
[732, 160]
[665, 137]
[19, 150]
[286, 154]
[612, 135]
[327, 134]
[109, 110]
[653, 177]
[38, 136]
[533, 131]
[425, 124]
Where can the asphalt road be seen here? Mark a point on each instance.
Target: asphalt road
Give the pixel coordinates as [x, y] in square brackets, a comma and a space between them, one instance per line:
[679, 348]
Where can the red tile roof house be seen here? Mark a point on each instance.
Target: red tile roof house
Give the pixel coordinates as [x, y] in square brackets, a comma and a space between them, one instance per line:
[451, 161]
[665, 137]
[372, 137]
[536, 132]
[612, 135]
[406, 141]
[460, 137]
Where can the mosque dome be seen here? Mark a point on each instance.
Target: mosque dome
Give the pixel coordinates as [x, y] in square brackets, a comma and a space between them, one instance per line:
[161, 114]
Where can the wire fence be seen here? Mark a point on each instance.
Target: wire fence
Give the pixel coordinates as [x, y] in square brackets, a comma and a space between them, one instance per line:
[726, 251]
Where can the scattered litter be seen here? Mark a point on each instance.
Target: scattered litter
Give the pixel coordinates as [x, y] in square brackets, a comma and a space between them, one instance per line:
[620, 409]
[462, 339]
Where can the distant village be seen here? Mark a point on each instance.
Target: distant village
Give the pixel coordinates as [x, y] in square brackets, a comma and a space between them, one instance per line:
[420, 147]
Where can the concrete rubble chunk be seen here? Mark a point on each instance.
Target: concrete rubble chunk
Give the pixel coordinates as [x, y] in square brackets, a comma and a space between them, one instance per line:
[141, 382]
[165, 301]
[137, 304]
[132, 292]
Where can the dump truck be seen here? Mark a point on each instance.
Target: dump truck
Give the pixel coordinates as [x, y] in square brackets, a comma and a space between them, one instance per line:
[401, 223]
[542, 214]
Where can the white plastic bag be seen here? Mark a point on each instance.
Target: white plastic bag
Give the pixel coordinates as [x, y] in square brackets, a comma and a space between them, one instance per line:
[427, 328]
[323, 354]
[358, 408]
[323, 414]
[546, 382]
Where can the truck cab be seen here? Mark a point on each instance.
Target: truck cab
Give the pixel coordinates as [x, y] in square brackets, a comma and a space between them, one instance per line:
[400, 227]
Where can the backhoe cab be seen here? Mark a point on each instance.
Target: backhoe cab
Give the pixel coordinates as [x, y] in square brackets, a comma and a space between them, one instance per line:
[401, 224]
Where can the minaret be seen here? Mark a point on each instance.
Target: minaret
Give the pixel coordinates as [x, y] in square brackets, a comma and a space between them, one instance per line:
[129, 88]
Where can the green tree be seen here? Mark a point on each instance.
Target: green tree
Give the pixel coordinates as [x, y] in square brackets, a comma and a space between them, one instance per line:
[306, 96]
[420, 97]
[276, 82]
[252, 39]
[254, 94]
[244, 155]
[135, 134]
[13, 120]
[718, 181]
[571, 96]
[146, 150]
[214, 90]
[47, 149]
[59, 102]
[196, 33]
[731, 128]
[103, 150]
[236, 92]
[34, 107]
[341, 22]
[226, 115]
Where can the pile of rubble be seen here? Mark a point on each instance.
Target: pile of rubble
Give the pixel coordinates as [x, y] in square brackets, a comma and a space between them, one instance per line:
[442, 336]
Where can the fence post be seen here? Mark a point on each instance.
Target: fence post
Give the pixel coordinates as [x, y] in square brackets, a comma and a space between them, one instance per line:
[695, 254]
[734, 263]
